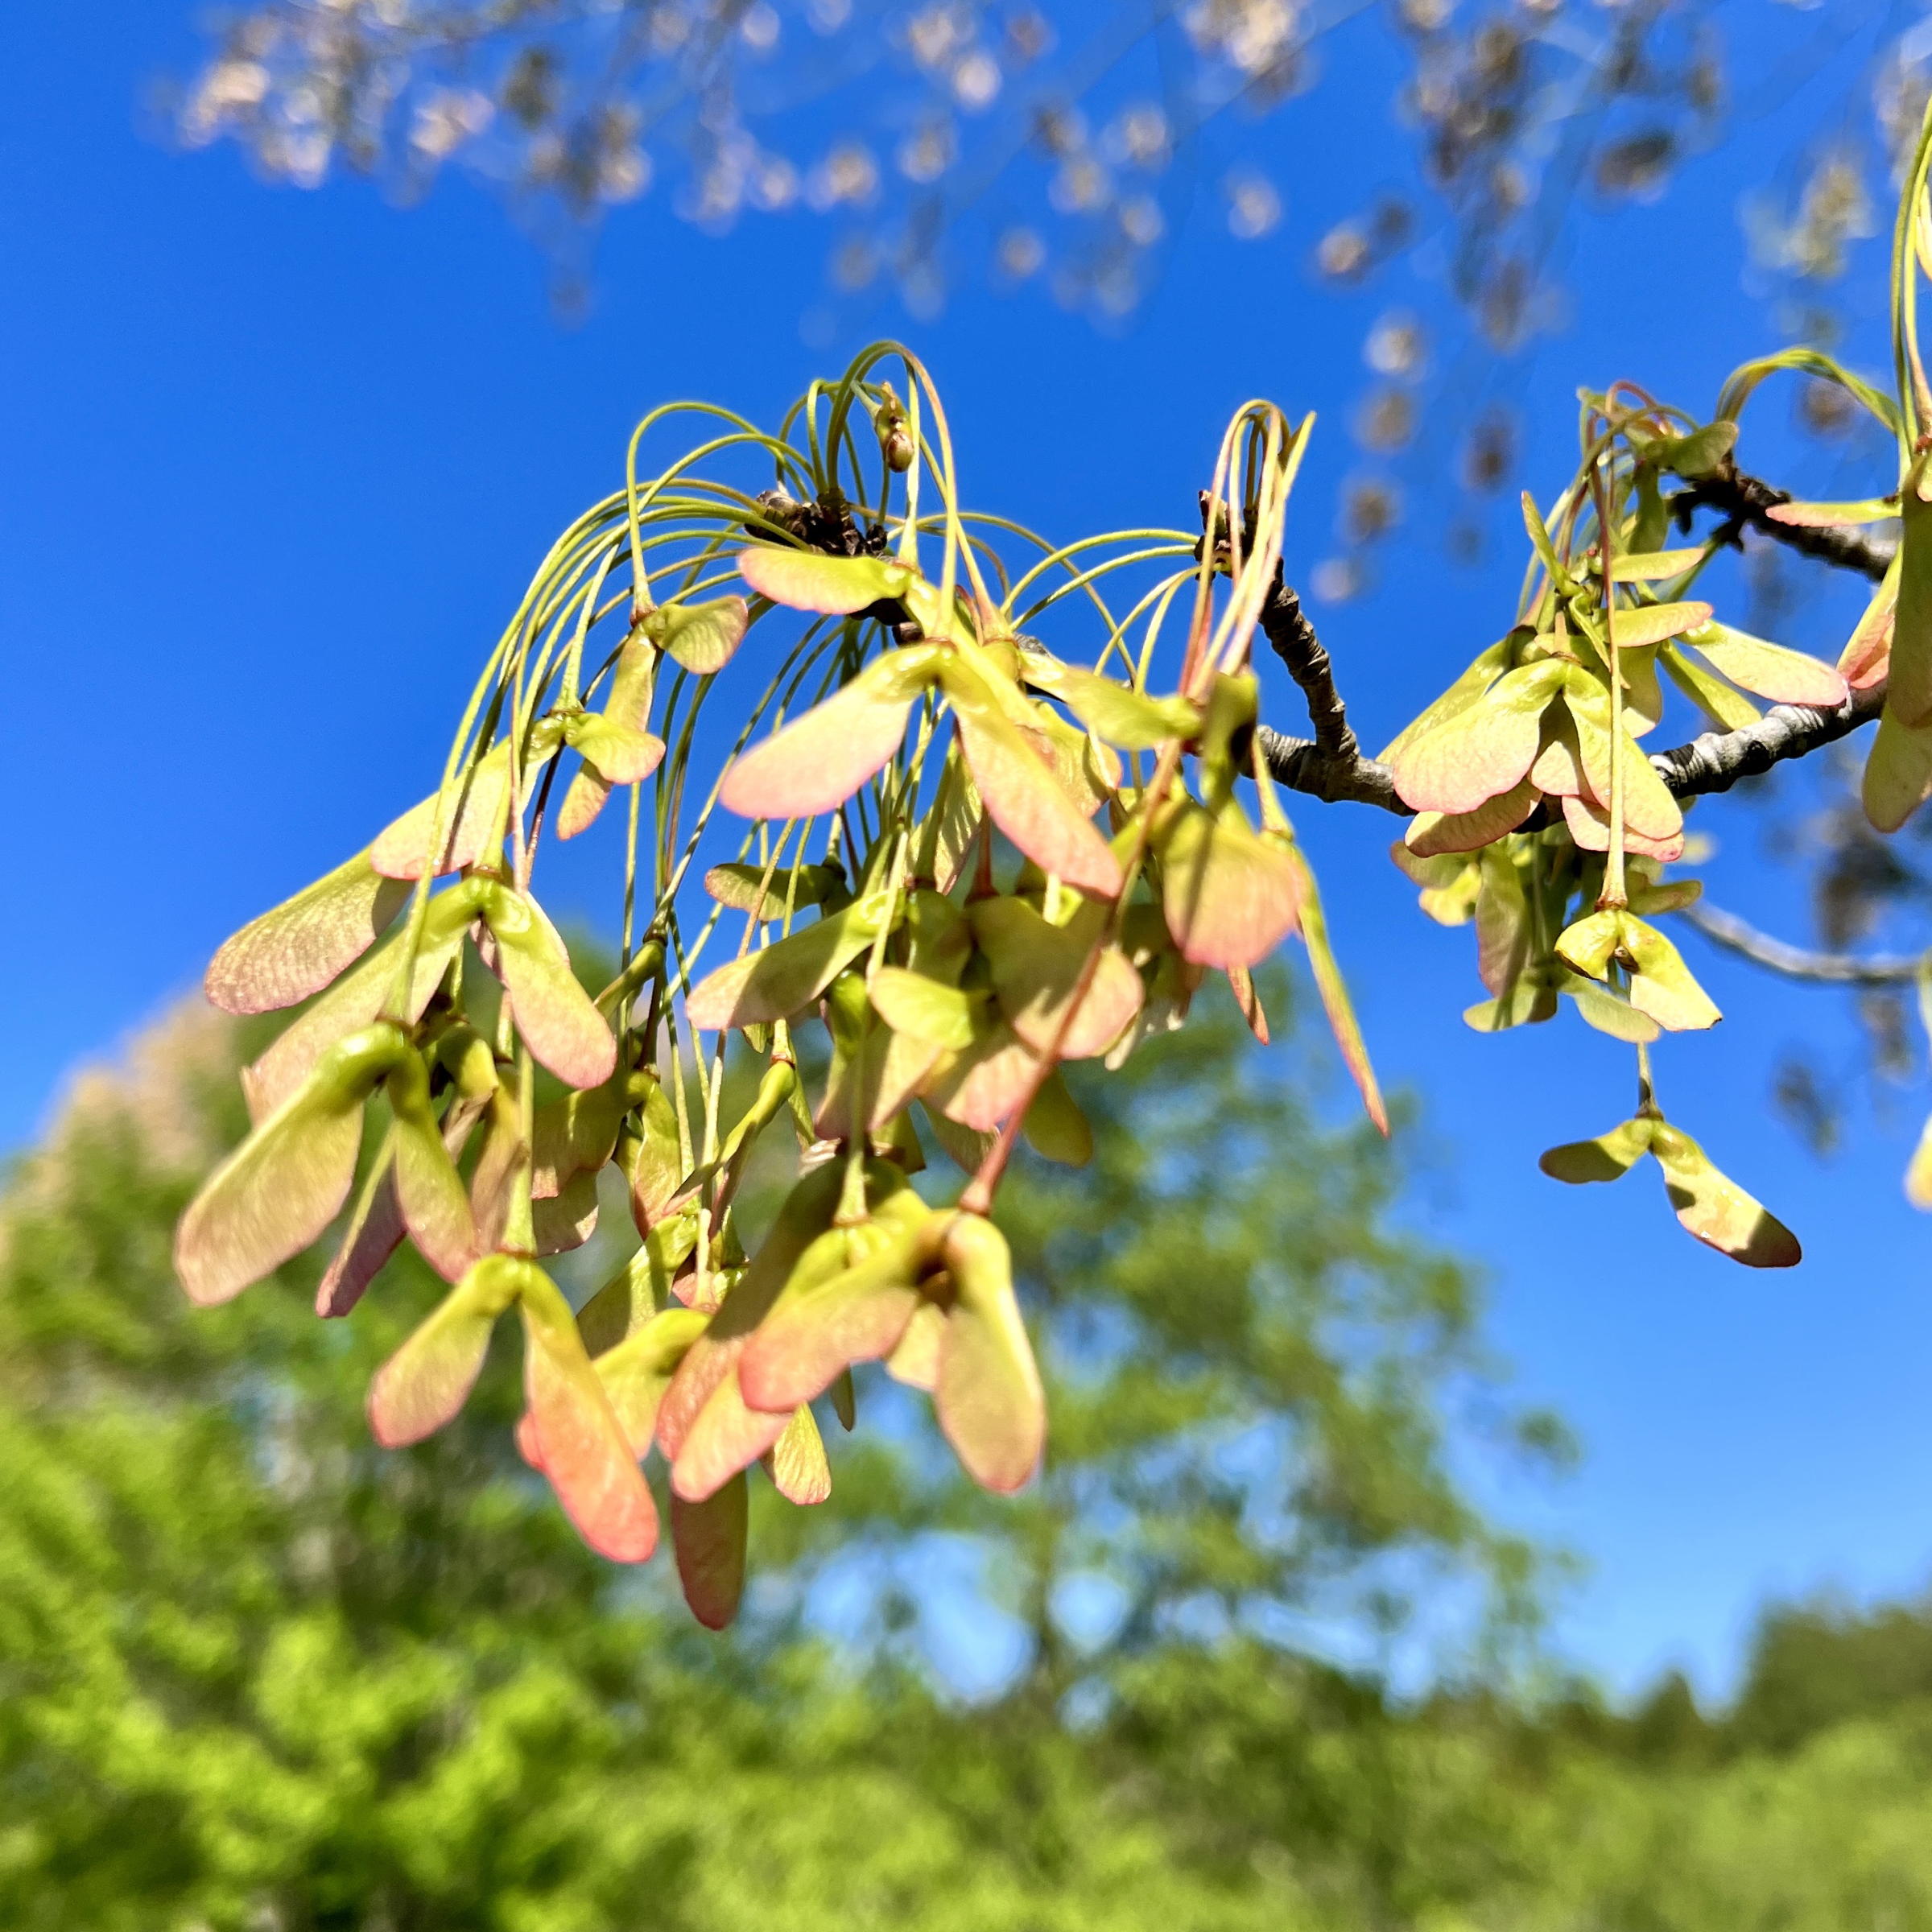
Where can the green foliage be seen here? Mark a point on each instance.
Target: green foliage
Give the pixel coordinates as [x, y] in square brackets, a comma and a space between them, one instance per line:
[249, 1661]
[255, 1671]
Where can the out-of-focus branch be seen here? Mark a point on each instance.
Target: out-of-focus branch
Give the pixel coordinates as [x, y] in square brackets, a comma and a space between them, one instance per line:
[1746, 502]
[1726, 929]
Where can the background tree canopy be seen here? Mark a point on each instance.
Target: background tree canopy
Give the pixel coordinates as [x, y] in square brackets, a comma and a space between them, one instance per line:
[254, 1671]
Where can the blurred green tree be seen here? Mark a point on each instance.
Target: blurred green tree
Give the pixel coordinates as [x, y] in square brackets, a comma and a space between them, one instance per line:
[255, 1671]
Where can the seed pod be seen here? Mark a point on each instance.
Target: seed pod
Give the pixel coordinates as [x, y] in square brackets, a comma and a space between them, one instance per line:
[784, 977]
[426, 1382]
[1012, 771]
[553, 1014]
[288, 1180]
[583, 1448]
[890, 425]
[988, 1399]
[796, 1463]
[429, 1191]
[709, 1537]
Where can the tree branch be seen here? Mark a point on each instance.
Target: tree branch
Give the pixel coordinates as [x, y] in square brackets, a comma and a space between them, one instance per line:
[1302, 766]
[1747, 502]
[1712, 763]
[1285, 626]
[1717, 759]
[1726, 929]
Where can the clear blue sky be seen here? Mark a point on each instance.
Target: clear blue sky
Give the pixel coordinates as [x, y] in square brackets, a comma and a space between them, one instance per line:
[276, 464]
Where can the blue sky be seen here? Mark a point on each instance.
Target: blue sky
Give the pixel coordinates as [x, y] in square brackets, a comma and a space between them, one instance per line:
[277, 464]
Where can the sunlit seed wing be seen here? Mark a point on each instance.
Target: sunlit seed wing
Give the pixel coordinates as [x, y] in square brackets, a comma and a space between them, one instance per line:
[702, 637]
[426, 1382]
[1898, 772]
[1054, 1126]
[801, 1237]
[990, 1405]
[1254, 1016]
[1785, 677]
[1229, 897]
[980, 1087]
[1867, 653]
[574, 1134]
[1432, 833]
[356, 999]
[583, 1448]
[374, 1232]
[926, 1009]
[477, 807]
[1130, 719]
[1589, 828]
[1502, 922]
[786, 976]
[429, 1191]
[818, 760]
[1023, 795]
[1087, 768]
[1655, 567]
[726, 1435]
[306, 942]
[1657, 623]
[1332, 989]
[1650, 810]
[805, 579]
[1608, 1157]
[636, 1372]
[622, 755]
[915, 1362]
[1482, 749]
[1036, 967]
[1726, 708]
[1919, 1172]
[1909, 685]
[1716, 1210]
[1835, 516]
[791, 888]
[288, 1180]
[553, 1014]
[614, 754]
[797, 1463]
[568, 1219]
[1527, 1003]
[1487, 666]
[1662, 985]
[820, 1325]
[1607, 1012]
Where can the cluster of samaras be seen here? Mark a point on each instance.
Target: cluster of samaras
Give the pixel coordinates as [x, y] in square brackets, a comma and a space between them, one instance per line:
[1526, 772]
[946, 997]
